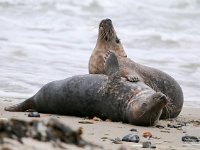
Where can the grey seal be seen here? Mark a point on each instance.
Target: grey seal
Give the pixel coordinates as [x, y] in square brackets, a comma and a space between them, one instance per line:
[156, 79]
[104, 96]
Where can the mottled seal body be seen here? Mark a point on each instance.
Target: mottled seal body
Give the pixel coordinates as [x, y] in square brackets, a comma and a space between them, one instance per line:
[157, 80]
[154, 78]
[104, 96]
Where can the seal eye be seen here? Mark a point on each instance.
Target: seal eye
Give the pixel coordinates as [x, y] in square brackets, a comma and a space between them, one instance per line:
[101, 24]
[117, 40]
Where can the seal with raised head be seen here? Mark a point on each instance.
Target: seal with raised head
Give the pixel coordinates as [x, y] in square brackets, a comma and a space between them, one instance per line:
[104, 96]
[107, 40]
[159, 81]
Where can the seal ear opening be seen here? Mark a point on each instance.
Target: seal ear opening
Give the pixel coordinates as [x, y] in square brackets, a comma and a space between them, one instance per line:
[112, 67]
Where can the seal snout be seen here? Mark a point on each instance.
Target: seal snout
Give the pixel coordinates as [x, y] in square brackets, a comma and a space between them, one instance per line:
[161, 98]
[105, 23]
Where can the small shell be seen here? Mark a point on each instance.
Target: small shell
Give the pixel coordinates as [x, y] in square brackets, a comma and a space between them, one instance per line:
[147, 134]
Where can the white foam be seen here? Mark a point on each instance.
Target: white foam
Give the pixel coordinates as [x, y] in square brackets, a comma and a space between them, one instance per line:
[47, 40]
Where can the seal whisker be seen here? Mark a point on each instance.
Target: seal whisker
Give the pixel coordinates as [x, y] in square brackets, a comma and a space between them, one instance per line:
[104, 35]
[167, 111]
[141, 115]
[150, 120]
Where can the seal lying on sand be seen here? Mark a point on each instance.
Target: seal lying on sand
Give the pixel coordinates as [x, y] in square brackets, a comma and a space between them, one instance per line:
[132, 71]
[99, 95]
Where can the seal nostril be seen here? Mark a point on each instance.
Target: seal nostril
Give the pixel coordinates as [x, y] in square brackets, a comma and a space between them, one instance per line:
[108, 20]
[144, 105]
[117, 40]
[163, 97]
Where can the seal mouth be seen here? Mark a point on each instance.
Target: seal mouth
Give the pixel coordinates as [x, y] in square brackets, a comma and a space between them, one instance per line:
[107, 31]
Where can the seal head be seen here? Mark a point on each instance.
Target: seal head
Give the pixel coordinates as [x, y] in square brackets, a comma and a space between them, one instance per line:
[107, 41]
[146, 110]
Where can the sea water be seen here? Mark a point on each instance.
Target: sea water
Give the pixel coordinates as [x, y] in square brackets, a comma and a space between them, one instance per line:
[46, 40]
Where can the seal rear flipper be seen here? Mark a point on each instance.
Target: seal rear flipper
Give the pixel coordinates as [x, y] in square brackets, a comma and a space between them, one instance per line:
[27, 104]
[112, 67]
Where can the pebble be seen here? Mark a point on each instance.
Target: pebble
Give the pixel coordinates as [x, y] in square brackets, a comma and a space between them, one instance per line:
[190, 139]
[182, 123]
[86, 122]
[195, 122]
[160, 126]
[165, 131]
[153, 146]
[117, 140]
[131, 138]
[96, 119]
[104, 138]
[178, 125]
[155, 137]
[34, 114]
[146, 144]
[170, 125]
[134, 130]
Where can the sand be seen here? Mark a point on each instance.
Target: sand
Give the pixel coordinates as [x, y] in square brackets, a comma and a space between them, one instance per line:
[101, 132]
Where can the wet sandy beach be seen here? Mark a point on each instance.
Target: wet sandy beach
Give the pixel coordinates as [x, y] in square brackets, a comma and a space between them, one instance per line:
[102, 133]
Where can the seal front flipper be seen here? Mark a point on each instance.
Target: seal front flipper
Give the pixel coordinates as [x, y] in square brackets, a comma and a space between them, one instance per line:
[112, 68]
[132, 78]
[27, 104]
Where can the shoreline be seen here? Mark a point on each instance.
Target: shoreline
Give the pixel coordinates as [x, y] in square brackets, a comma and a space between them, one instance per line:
[101, 132]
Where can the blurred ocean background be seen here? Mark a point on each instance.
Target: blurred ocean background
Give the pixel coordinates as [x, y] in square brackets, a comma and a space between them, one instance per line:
[45, 40]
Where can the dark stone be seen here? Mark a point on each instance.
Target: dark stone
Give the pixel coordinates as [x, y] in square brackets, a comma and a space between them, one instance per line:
[131, 138]
[134, 130]
[153, 146]
[190, 139]
[34, 114]
[86, 122]
[160, 126]
[182, 123]
[170, 125]
[146, 144]
[117, 140]
[178, 126]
